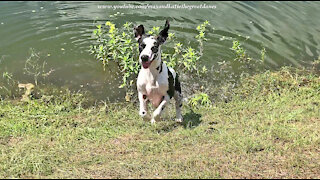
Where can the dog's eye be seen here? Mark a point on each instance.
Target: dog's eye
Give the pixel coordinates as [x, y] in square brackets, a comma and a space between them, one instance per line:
[154, 49]
[141, 47]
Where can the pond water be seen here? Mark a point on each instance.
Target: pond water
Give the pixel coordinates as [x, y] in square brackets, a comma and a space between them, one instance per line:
[61, 31]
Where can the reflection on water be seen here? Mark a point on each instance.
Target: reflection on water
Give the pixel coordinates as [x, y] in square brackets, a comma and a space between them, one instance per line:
[61, 31]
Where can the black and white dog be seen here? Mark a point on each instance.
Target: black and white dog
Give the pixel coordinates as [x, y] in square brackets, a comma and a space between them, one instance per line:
[156, 82]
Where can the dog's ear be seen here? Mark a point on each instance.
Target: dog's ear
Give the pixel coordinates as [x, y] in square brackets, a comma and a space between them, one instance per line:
[138, 32]
[162, 37]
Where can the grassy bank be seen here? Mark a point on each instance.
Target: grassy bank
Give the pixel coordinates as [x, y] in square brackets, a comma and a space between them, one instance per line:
[270, 129]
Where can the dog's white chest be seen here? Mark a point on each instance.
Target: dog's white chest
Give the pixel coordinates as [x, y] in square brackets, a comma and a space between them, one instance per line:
[154, 89]
[155, 92]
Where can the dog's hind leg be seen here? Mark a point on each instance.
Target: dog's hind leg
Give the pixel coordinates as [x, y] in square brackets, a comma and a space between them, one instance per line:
[178, 98]
[156, 114]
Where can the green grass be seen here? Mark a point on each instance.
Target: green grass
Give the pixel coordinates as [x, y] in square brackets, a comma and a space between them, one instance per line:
[270, 129]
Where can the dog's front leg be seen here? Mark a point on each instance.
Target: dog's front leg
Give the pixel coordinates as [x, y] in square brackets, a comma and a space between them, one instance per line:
[156, 114]
[143, 105]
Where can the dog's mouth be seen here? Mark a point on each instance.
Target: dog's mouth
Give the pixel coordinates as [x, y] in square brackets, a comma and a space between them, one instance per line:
[146, 64]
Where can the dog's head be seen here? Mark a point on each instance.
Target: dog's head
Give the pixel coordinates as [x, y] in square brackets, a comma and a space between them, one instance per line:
[149, 46]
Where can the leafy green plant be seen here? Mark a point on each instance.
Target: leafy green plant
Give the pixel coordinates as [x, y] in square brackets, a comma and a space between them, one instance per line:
[201, 36]
[240, 52]
[200, 99]
[263, 54]
[186, 59]
[116, 44]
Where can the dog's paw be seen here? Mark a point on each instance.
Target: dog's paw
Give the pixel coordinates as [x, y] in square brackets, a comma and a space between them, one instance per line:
[157, 117]
[153, 121]
[179, 120]
[143, 113]
[145, 116]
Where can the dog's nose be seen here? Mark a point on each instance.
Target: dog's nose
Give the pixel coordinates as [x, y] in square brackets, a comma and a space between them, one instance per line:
[144, 58]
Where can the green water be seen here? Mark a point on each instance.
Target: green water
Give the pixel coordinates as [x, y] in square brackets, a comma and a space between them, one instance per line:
[61, 31]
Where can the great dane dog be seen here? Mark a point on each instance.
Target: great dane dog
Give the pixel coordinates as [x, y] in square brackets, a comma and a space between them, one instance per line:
[156, 82]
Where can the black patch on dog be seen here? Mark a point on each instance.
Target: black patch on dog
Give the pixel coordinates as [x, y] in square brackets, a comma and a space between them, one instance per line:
[171, 85]
[177, 85]
[155, 47]
[155, 56]
[159, 67]
[141, 47]
[139, 31]
[162, 106]
[164, 33]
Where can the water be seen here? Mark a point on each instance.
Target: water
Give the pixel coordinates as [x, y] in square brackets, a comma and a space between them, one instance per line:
[61, 32]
